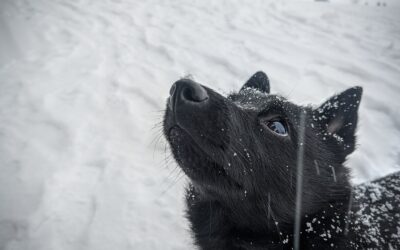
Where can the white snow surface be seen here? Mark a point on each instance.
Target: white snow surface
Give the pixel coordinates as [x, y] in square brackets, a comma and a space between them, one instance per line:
[82, 84]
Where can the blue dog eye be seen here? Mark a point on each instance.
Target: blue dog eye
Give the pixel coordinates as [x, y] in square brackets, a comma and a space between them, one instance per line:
[277, 127]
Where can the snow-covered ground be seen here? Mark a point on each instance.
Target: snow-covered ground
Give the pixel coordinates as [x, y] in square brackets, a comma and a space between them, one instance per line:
[83, 83]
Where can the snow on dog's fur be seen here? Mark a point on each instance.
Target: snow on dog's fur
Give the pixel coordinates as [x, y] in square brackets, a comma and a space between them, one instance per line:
[241, 155]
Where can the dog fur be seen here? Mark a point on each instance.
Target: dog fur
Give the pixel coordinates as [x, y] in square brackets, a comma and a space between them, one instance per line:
[243, 174]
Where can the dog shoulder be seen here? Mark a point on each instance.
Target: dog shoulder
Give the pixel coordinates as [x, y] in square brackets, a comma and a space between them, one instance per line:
[377, 212]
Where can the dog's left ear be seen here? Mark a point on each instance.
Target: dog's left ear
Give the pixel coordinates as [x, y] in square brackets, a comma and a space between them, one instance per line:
[258, 81]
[338, 117]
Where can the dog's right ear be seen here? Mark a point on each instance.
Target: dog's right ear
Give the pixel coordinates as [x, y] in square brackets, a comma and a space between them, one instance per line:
[258, 81]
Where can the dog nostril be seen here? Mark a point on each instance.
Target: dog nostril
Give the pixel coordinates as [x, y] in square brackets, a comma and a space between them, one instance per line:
[172, 90]
[194, 93]
[186, 91]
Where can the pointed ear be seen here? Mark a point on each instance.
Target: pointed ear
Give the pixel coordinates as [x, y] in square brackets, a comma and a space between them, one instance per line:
[258, 81]
[338, 117]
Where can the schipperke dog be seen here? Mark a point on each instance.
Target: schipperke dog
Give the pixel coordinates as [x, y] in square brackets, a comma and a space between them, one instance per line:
[269, 174]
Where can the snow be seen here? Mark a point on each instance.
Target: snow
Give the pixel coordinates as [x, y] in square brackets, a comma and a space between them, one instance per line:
[84, 82]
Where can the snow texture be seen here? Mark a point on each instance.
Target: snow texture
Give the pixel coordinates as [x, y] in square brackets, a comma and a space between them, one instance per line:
[83, 83]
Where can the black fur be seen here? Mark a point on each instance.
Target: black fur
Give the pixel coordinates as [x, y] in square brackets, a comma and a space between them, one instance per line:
[242, 193]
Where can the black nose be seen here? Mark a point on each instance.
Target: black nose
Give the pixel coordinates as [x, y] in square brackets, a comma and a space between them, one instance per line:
[187, 91]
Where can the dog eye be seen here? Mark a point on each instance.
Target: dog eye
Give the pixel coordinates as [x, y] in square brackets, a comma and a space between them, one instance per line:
[277, 126]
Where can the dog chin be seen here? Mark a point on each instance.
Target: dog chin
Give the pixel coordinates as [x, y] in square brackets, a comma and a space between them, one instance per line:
[192, 159]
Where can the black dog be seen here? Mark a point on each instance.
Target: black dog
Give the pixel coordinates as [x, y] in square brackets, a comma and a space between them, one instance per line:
[268, 174]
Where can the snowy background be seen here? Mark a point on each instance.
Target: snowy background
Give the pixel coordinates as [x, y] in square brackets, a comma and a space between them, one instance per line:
[83, 83]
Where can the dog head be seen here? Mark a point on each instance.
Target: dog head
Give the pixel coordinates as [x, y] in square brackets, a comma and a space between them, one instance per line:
[244, 149]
